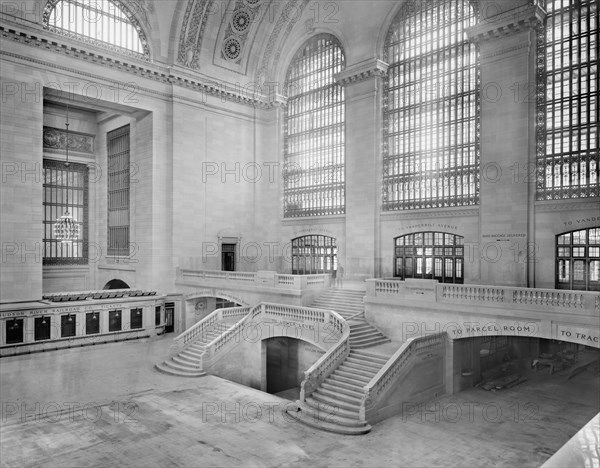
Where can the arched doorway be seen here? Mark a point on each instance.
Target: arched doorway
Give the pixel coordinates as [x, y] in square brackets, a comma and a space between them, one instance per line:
[116, 284]
[284, 369]
[314, 255]
[430, 255]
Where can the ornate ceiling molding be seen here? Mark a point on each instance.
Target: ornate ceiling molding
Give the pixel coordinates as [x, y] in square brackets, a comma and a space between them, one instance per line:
[507, 23]
[362, 71]
[270, 59]
[239, 27]
[192, 31]
[142, 69]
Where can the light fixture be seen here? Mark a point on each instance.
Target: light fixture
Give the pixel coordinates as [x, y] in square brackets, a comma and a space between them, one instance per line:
[43, 320]
[94, 316]
[70, 319]
[66, 229]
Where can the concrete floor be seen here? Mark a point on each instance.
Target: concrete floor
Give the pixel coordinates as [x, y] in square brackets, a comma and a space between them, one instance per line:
[116, 410]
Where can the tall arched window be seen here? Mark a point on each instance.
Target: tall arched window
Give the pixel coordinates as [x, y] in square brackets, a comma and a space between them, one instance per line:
[567, 132]
[430, 255]
[313, 255]
[431, 108]
[314, 154]
[578, 260]
[101, 22]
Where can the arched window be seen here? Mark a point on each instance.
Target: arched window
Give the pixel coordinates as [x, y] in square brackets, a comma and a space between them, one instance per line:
[567, 118]
[578, 260]
[314, 154]
[101, 22]
[313, 255]
[431, 108]
[430, 255]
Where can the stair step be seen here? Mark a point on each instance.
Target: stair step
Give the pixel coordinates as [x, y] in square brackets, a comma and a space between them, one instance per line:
[180, 367]
[335, 402]
[339, 396]
[191, 354]
[168, 370]
[375, 339]
[369, 345]
[379, 363]
[365, 374]
[351, 383]
[364, 333]
[328, 426]
[359, 366]
[380, 360]
[328, 408]
[364, 379]
[340, 388]
[328, 414]
[184, 361]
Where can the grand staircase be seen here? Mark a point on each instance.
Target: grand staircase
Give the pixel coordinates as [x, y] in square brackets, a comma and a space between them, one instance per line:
[334, 405]
[188, 363]
[348, 303]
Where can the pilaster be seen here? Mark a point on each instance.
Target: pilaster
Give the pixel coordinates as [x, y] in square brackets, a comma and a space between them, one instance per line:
[507, 47]
[362, 83]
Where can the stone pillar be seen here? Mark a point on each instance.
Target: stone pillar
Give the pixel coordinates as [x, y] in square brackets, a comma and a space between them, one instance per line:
[363, 84]
[21, 228]
[507, 44]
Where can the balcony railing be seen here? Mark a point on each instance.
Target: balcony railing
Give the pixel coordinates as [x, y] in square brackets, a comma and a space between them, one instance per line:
[259, 278]
[482, 295]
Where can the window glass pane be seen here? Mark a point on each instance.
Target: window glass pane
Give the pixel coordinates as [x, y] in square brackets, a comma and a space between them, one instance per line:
[563, 271]
[428, 262]
[430, 110]
[101, 21]
[114, 320]
[578, 270]
[92, 323]
[568, 73]
[595, 271]
[67, 325]
[314, 131]
[42, 328]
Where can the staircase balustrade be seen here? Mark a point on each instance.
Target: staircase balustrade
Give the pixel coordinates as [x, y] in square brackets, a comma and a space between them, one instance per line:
[207, 324]
[321, 369]
[396, 368]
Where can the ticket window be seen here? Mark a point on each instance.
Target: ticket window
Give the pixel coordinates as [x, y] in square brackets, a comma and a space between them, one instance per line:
[14, 331]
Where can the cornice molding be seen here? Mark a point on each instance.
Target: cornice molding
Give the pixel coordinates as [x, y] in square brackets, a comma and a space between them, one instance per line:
[145, 70]
[429, 213]
[365, 70]
[507, 23]
[567, 205]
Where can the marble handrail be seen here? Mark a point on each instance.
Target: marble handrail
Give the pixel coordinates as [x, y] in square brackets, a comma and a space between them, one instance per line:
[204, 326]
[392, 371]
[321, 369]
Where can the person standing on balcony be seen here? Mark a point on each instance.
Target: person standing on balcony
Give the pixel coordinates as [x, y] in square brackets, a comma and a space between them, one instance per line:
[340, 276]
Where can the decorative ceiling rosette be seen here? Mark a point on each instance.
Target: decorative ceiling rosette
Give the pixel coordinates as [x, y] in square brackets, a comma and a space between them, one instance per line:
[236, 36]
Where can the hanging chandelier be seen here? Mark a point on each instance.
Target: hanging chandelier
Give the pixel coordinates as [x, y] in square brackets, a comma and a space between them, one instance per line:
[66, 228]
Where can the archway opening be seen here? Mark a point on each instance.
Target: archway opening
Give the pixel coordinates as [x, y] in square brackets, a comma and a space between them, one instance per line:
[116, 284]
[284, 366]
